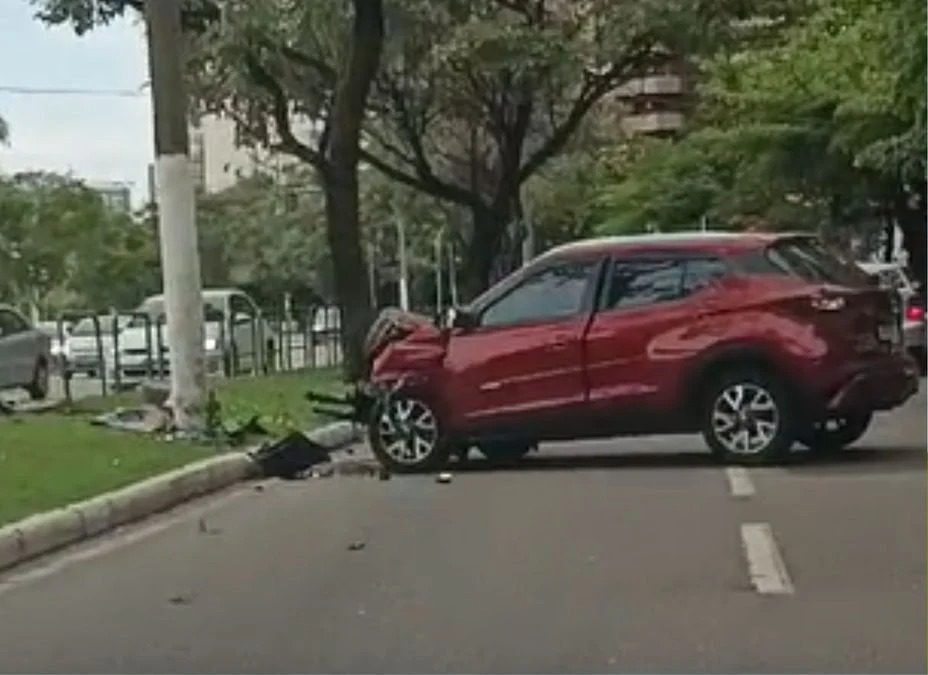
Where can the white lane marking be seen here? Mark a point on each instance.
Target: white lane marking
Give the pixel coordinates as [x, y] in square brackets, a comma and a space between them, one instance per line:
[767, 569]
[739, 482]
[126, 535]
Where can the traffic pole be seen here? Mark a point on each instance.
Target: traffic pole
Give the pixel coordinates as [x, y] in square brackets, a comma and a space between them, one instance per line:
[180, 261]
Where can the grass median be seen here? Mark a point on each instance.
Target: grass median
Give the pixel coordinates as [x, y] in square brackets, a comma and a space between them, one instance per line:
[52, 459]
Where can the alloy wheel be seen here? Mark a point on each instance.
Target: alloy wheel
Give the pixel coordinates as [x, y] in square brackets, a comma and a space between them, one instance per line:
[745, 418]
[408, 431]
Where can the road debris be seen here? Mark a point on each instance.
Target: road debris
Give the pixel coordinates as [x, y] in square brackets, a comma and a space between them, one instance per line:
[444, 477]
[259, 487]
[383, 473]
[356, 546]
[290, 457]
[181, 599]
[204, 527]
[146, 419]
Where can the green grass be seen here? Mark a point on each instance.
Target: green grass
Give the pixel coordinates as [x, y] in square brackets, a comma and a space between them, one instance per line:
[50, 460]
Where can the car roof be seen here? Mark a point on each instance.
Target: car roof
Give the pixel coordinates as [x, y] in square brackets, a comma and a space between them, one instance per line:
[208, 294]
[710, 243]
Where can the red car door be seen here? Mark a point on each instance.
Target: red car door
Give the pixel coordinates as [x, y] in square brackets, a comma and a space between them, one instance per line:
[524, 358]
[647, 326]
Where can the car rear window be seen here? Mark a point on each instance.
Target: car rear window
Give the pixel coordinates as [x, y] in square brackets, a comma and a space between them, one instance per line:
[803, 258]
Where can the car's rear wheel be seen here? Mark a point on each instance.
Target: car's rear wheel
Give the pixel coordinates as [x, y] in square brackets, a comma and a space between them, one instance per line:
[504, 451]
[747, 418]
[837, 432]
[38, 388]
[406, 435]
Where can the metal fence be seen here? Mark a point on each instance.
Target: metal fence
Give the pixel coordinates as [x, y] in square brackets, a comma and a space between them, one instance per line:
[119, 350]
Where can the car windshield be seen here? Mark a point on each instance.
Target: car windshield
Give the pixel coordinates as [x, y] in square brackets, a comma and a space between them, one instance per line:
[810, 260]
[153, 308]
[86, 327]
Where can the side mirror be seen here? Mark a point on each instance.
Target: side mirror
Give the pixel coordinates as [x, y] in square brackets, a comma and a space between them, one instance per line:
[460, 318]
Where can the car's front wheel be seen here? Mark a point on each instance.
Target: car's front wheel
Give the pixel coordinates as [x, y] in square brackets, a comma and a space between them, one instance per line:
[38, 388]
[837, 432]
[747, 418]
[406, 435]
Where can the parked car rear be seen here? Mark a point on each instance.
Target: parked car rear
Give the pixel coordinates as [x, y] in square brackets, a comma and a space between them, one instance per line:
[893, 276]
[24, 354]
[756, 340]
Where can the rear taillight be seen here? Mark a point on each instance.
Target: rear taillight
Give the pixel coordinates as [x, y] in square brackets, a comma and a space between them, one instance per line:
[914, 313]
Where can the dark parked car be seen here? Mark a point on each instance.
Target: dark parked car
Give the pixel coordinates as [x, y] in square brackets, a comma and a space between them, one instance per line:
[756, 340]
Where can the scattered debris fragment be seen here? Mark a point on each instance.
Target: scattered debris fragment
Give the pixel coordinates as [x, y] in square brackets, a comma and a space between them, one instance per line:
[205, 528]
[259, 487]
[181, 599]
[290, 457]
[147, 419]
[383, 473]
[356, 546]
[444, 477]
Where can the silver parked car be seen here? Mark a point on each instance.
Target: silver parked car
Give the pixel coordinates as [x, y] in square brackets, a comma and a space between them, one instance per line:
[24, 354]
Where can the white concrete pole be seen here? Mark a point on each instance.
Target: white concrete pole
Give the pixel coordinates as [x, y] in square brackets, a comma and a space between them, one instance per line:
[180, 260]
[404, 271]
[439, 286]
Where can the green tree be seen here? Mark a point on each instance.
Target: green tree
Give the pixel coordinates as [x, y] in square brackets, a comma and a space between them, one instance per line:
[823, 128]
[61, 247]
[266, 237]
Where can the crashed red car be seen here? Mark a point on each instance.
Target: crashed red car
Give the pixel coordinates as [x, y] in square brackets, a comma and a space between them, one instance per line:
[755, 340]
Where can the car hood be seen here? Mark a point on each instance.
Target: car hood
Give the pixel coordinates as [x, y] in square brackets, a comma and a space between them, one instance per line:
[134, 337]
[393, 325]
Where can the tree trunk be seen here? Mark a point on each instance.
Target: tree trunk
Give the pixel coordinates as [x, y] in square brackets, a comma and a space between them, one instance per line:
[482, 251]
[351, 283]
[340, 178]
[911, 217]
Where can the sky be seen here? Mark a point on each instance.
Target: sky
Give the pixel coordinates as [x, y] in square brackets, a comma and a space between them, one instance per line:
[96, 138]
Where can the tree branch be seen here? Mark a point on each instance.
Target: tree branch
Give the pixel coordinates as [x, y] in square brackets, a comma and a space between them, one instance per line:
[281, 114]
[430, 184]
[593, 90]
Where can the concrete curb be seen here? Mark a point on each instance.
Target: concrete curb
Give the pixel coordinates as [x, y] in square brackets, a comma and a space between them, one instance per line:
[46, 532]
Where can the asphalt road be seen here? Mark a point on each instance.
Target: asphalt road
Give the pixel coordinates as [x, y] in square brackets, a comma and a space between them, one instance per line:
[634, 555]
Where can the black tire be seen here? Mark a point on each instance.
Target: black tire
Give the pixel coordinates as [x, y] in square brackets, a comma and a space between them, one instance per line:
[399, 450]
[762, 419]
[504, 451]
[920, 354]
[836, 433]
[38, 388]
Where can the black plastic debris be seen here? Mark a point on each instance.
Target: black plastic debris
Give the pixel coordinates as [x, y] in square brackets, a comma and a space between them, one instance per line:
[290, 457]
[383, 474]
[356, 546]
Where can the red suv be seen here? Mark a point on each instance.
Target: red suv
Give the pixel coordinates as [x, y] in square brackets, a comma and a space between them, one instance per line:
[756, 340]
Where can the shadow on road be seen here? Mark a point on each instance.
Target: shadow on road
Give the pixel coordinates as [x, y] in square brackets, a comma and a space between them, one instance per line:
[550, 462]
[859, 459]
[850, 460]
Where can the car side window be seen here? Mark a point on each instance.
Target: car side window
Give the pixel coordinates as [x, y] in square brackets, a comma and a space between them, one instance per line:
[637, 283]
[11, 323]
[701, 272]
[551, 294]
